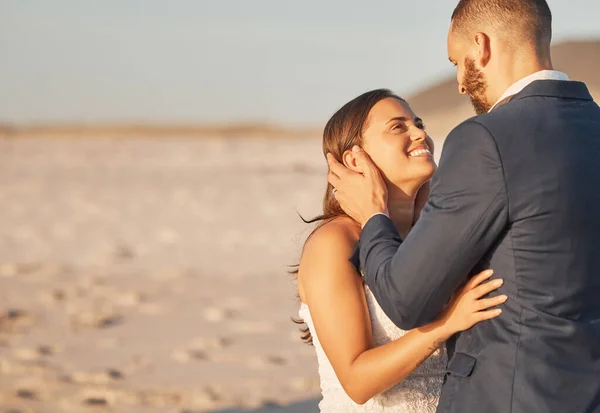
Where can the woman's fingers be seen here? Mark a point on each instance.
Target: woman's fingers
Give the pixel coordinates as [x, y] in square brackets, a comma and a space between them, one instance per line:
[486, 315]
[486, 288]
[486, 303]
[478, 279]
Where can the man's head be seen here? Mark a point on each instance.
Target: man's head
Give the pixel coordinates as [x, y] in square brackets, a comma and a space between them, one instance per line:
[494, 43]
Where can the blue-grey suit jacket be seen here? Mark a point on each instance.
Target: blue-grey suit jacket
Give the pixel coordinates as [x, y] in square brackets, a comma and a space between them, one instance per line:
[517, 190]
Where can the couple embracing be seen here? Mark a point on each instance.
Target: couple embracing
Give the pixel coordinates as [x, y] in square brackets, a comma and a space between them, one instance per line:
[472, 286]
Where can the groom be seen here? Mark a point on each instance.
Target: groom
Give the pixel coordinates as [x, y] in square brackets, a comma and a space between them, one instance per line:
[518, 191]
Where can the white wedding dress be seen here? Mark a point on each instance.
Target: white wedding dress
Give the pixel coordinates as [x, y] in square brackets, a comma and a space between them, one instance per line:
[418, 393]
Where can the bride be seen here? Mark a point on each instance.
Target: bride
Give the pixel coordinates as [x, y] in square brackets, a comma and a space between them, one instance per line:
[366, 363]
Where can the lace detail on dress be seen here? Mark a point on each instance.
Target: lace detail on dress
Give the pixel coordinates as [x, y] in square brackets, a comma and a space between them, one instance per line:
[418, 393]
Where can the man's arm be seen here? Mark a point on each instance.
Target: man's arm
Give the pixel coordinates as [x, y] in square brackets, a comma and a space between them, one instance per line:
[466, 212]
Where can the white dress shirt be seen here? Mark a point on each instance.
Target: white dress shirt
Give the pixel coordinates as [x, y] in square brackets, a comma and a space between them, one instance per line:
[526, 81]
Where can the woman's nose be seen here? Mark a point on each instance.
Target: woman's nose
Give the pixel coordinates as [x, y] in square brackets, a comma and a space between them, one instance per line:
[419, 136]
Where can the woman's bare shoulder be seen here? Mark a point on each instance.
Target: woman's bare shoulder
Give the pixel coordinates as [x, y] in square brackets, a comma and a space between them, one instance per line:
[325, 256]
[338, 235]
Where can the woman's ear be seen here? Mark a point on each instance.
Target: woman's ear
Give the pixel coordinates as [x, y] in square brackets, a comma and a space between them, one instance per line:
[350, 161]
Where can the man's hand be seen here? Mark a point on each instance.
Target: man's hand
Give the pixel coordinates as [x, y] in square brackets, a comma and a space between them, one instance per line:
[361, 195]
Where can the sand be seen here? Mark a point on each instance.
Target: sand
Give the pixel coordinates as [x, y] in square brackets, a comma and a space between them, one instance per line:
[149, 275]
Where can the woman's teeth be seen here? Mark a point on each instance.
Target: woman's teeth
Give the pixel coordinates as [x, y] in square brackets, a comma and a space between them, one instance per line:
[418, 152]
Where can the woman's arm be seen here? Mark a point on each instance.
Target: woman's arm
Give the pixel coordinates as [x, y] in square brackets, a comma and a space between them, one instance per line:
[335, 296]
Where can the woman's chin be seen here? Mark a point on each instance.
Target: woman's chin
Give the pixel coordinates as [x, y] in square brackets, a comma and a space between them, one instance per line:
[431, 173]
[410, 175]
[427, 171]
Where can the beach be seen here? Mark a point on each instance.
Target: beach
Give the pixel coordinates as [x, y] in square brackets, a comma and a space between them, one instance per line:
[150, 275]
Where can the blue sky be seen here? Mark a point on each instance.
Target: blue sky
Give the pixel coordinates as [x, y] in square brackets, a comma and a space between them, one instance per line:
[199, 61]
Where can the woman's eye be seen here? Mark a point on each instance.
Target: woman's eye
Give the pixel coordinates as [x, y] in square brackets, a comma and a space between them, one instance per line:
[400, 127]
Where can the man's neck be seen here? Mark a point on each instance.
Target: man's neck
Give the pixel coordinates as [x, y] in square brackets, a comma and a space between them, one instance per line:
[523, 66]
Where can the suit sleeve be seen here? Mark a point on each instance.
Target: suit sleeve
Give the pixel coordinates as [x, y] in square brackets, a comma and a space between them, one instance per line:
[413, 279]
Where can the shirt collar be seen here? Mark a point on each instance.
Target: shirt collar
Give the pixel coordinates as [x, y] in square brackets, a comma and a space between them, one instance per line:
[526, 81]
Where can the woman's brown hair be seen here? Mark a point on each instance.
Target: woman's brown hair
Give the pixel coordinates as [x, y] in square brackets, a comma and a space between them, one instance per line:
[341, 133]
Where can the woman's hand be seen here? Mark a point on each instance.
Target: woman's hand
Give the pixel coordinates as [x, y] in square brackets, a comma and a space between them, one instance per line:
[467, 307]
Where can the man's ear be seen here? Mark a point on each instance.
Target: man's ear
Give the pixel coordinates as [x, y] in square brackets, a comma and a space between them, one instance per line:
[483, 51]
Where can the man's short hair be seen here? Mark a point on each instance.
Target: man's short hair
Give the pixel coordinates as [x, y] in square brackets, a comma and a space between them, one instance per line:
[529, 20]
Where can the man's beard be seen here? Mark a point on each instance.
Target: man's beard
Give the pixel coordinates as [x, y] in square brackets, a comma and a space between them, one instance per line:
[476, 85]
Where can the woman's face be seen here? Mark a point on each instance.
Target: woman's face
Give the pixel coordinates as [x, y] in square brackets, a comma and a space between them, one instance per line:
[396, 141]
